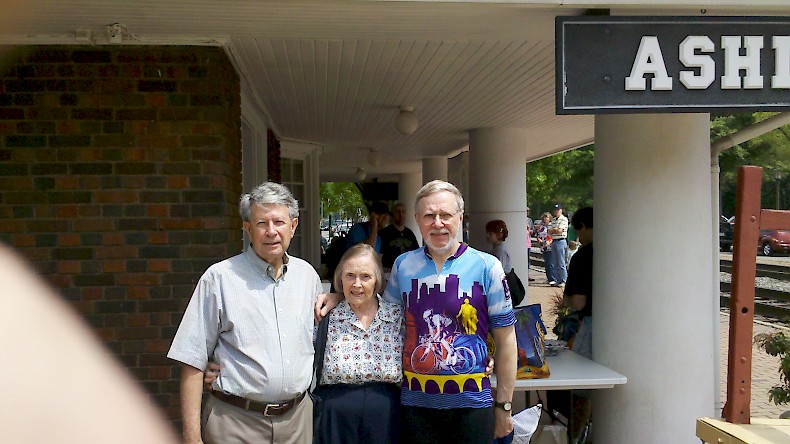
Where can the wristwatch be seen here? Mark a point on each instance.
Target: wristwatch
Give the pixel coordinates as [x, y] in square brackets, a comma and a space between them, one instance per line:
[506, 406]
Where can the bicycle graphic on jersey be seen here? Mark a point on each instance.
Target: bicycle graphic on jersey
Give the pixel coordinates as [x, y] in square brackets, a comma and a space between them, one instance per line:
[436, 351]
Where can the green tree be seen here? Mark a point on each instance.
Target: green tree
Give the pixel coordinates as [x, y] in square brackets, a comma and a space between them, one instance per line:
[568, 177]
[565, 177]
[341, 199]
[771, 151]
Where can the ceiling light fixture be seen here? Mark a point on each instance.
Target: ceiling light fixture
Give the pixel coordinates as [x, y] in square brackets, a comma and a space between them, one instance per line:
[115, 33]
[360, 174]
[406, 122]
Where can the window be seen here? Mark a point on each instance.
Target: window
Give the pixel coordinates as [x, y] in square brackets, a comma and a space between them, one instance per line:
[293, 177]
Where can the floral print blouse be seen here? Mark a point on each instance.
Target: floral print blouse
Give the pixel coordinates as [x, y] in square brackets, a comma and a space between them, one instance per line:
[356, 356]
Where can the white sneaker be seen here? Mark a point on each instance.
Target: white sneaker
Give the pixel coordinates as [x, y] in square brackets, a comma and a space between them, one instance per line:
[552, 283]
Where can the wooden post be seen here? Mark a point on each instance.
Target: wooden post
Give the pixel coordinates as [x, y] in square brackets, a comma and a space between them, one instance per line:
[744, 268]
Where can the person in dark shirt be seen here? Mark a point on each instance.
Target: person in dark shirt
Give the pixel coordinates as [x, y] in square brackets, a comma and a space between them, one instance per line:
[578, 295]
[368, 232]
[396, 238]
[578, 288]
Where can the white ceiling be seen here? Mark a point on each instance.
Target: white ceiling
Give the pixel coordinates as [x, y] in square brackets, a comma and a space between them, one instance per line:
[335, 72]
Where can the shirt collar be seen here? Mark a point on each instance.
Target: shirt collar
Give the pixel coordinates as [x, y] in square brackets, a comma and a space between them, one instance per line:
[345, 313]
[263, 266]
[461, 249]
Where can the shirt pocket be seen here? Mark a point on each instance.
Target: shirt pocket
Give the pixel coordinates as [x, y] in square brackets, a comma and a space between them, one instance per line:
[306, 337]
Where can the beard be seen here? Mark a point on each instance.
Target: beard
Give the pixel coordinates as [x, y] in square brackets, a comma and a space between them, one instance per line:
[444, 249]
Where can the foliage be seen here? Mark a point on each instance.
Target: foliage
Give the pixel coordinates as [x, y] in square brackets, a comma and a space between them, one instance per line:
[557, 305]
[771, 151]
[778, 344]
[341, 199]
[567, 323]
[566, 178]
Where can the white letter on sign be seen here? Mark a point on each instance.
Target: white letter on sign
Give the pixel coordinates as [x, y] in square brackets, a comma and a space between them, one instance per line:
[781, 78]
[648, 61]
[734, 62]
[689, 58]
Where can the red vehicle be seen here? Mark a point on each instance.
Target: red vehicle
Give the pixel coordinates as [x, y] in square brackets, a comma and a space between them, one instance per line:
[774, 241]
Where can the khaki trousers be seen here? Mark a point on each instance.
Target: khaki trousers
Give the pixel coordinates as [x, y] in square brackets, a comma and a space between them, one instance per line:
[223, 423]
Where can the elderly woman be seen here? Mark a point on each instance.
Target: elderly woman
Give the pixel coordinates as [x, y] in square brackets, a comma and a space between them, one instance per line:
[360, 381]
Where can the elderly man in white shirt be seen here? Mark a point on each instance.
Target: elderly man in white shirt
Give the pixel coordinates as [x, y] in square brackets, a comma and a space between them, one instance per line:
[252, 314]
[558, 230]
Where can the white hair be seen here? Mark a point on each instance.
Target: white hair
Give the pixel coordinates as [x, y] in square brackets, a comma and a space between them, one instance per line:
[437, 186]
[268, 193]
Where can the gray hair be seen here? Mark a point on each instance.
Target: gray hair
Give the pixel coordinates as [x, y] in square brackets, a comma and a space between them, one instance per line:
[360, 250]
[437, 186]
[268, 193]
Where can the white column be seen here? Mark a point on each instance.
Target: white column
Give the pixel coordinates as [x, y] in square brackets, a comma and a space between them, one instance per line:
[434, 168]
[652, 317]
[498, 190]
[408, 186]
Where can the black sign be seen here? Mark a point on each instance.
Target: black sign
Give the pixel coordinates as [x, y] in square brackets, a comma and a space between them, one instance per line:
[672, 64]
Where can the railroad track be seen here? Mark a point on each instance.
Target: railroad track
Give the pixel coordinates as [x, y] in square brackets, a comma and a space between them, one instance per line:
[763, 270]
[770, 303]
[767, 302]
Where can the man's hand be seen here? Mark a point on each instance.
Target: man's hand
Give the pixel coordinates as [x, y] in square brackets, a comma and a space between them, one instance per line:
[324, 303]
[503, 423]
[210, 374]
[506, 355]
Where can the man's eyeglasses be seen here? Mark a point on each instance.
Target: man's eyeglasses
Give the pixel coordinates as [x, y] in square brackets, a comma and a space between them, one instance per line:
[428, 218]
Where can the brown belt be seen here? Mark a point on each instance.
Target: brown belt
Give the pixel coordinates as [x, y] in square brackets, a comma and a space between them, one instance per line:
[255, 406]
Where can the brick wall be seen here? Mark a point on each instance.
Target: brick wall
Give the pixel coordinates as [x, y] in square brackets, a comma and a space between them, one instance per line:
[120, 174]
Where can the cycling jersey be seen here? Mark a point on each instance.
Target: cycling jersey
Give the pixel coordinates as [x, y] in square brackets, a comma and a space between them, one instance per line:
[448, 317]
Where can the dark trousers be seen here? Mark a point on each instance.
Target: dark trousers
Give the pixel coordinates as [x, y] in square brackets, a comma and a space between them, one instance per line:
[451, 426]
[357, 414]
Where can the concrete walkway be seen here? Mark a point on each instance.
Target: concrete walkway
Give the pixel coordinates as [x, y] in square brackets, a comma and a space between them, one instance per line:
[765, 368]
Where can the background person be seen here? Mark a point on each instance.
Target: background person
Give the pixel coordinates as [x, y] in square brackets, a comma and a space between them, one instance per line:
[578, 289]
[496, 233]
[558, 230]
[396, 238]
[360, 382]
[530, 228]
[368, 231]
[264, 346]
[544, 241]
[577, 294]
